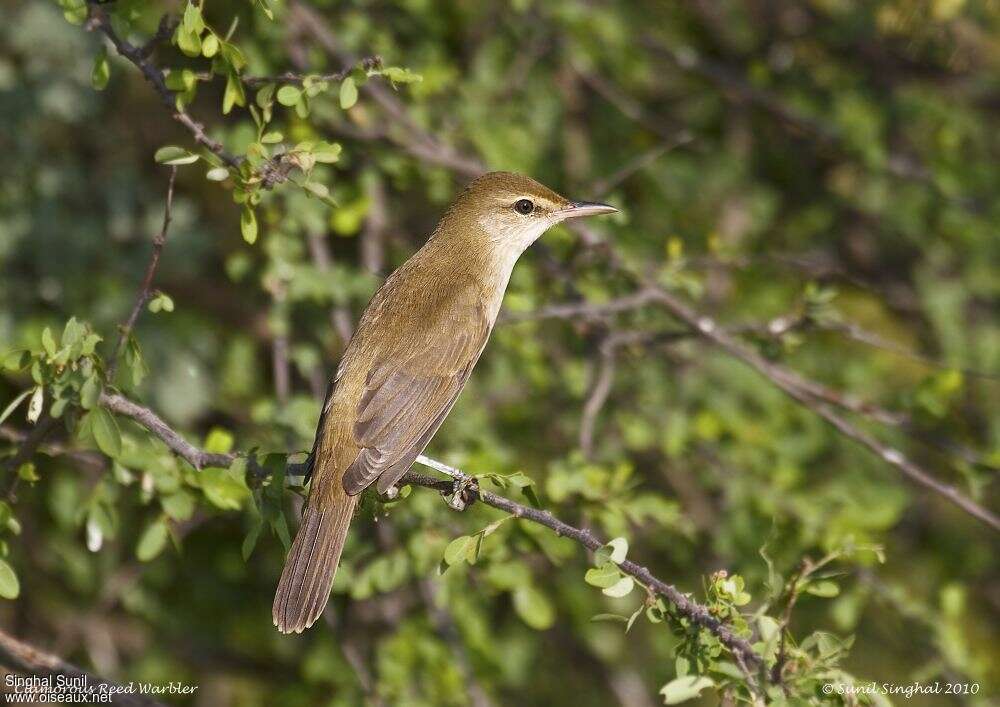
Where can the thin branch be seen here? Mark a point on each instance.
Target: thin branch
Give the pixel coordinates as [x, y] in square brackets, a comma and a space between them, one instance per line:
[685, 606]
[145, 292]
[98, 19]
[23, 658]
[796, 387]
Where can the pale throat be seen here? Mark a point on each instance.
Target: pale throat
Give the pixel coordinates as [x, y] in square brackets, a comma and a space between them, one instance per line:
[506, 244]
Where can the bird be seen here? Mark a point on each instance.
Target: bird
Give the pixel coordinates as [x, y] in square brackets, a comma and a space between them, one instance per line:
[409, 359]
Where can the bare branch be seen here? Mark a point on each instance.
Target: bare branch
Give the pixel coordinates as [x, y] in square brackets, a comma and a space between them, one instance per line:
[145, 292]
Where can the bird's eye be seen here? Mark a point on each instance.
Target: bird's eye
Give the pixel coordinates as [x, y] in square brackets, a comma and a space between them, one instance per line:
[524, 206]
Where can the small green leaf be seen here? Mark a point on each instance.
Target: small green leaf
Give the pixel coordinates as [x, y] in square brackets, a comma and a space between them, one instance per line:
[622, 588]
[173, 155]
[272, 137]
[289, 95]
[534, 607]
[9, 586]
[152, 541]
[48, 342]
[317, 189]
[326, 152]
[457, 549]
[105, 430]
[209, 46]
[248, 225]
[602, 577]
[179, 505]
[348, 93]
[101, 72]
[684, 688]
[233, 94]
[217, 174]
[826, 589]
[397, 74]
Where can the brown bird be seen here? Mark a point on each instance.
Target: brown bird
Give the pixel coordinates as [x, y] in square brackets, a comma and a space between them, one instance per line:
[412, 353]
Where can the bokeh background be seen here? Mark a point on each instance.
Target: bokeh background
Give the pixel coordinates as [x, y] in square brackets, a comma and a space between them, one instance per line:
[818, 176]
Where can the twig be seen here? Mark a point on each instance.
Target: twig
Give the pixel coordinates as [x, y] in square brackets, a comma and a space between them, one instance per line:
[604, 375]
[23, 658]
[159, 240]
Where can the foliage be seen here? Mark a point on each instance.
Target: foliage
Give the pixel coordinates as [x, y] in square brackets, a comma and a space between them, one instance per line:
[816, 176]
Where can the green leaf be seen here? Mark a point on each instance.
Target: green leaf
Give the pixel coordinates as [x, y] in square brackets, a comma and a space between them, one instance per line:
[152, 541]
[348, 93]
[457, 549]
[48, 342]
[209, 46]
[326, 152]
[217, 174]
[248, 225]
[826, 589]
[684, 688]
[534, 607]
[272, 138]
[219, 441]
[233, 94]
[9, 586]
[173, 155]
[397, 74]
[288, 95]
[101, 73]
[623, 587]
[161, 302]
[179, 506]
[223, 489]
[603, 577]
[14, 403]
[104, 427]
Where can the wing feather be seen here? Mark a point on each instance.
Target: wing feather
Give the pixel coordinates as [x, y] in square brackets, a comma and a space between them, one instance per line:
[408, 396]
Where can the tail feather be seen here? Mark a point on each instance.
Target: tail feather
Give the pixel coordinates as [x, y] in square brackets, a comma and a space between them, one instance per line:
[304, 588]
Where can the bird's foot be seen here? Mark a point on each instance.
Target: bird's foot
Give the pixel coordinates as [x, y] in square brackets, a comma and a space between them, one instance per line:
[464, 492]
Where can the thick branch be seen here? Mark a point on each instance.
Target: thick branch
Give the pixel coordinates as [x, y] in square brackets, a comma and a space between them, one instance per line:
[23, 658]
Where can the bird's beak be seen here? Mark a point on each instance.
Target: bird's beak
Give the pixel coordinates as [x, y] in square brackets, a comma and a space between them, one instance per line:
[577, 209]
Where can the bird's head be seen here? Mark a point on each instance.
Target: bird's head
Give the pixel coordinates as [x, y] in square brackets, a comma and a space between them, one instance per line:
[512, 211]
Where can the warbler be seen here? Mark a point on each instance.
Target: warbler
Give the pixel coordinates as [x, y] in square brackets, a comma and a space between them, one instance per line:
[414, 349]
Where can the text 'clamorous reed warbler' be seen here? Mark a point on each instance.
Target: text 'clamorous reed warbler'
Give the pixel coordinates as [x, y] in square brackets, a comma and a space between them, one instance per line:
[412, 353]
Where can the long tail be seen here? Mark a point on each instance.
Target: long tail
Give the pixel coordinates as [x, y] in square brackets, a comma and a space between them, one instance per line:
[304, 588]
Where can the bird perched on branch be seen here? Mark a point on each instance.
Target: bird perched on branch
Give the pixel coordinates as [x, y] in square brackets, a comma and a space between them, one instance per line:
[411, 355]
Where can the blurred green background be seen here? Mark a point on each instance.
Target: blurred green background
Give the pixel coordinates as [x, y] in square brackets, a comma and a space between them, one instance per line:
[832, 164]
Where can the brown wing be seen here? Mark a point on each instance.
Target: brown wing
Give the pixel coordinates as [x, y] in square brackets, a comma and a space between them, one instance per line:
[408, 396]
